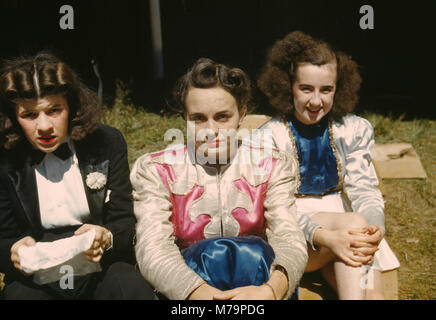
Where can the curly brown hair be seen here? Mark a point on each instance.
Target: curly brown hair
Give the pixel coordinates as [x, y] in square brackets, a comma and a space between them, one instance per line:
[205, 73]
[278, 74]
[38, 76]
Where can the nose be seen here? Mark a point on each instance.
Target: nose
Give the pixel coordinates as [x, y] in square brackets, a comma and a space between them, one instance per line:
[315, 100]
[43, 124]
[212, 126]
[206, 131]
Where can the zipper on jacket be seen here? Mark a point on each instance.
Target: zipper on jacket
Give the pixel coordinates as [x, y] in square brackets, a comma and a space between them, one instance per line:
[219, 201]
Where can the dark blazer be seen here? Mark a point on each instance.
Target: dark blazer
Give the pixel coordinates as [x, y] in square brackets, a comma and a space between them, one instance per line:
[104, 151]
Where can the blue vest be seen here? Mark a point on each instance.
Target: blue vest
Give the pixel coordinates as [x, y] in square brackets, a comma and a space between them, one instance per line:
[317, 162]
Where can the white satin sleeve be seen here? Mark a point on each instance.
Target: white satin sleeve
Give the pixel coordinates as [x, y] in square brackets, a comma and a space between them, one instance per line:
[283, 232]
[360, 179]
[281, 140]
[159, 258]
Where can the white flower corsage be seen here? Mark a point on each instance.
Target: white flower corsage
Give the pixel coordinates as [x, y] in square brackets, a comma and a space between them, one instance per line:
[96, 180]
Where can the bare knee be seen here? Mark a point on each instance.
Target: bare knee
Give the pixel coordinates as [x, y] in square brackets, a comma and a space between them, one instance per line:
[340, 220]
[356, 220]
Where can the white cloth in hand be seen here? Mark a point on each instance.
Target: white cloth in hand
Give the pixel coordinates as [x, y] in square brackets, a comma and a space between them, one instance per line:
[45, 259]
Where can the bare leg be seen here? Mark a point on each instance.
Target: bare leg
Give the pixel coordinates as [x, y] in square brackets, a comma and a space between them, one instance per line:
[328, 272]
[374, 290]
[348, 280]
[319, 258]
[345, 279]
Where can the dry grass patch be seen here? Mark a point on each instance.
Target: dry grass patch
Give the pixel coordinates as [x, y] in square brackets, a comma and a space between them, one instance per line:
[410, 207]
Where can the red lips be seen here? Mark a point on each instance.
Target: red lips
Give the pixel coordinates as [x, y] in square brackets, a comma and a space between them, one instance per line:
[47, 139]
[214, 143]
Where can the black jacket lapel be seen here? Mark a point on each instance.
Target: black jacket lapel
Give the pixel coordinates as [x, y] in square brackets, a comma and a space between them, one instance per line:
[24, 181]
[92, 162]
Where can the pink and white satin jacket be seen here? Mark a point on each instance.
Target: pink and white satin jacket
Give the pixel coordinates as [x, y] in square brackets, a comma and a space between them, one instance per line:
[178, 202]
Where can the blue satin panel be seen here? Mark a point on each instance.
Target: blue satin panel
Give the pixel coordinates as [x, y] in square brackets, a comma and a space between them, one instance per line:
[317, 162]
[228, 263]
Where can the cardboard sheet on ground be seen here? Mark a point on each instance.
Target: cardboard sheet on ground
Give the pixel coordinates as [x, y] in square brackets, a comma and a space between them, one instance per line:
[45, 259]
[397, 161]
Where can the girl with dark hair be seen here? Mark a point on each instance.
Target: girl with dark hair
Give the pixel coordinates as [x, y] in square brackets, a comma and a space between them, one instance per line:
[339, 207]
[213, 221]
[62, 174]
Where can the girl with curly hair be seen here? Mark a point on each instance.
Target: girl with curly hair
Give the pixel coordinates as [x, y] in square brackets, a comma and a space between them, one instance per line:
[339, 206]
[62, 174]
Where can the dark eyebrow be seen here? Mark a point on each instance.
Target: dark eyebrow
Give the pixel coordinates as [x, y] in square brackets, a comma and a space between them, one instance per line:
[196, 115]
[25, 111]
[224, 112]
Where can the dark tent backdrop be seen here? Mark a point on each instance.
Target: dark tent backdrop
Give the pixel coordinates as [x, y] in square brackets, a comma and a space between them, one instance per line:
[395, 57]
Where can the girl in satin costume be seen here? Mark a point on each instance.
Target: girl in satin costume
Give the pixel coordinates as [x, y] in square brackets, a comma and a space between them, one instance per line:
[339, 206]
[215, 222]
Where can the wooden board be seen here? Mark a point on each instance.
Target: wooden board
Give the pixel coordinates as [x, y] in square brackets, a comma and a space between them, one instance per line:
[314, 287]
[254, 121]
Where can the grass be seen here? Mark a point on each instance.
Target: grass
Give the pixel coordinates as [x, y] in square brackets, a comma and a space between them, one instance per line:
[410, 207]
[410, 204]
[144, 132]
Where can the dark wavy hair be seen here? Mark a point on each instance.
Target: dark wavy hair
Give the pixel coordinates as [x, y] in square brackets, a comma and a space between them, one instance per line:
[205, 73]
[38, 76]
[278, 74]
